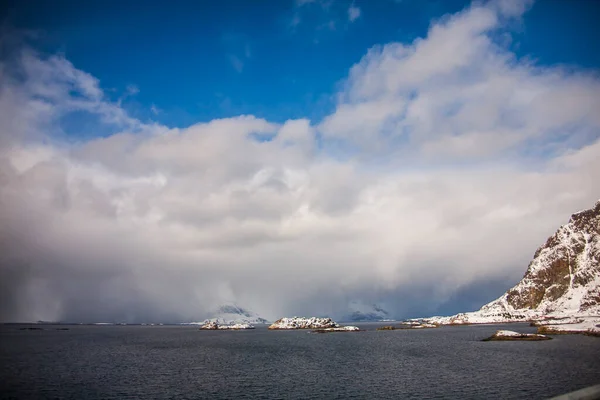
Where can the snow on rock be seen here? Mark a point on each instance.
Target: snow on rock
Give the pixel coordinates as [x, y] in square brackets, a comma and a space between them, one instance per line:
[507, 333]
[586, 325]
[211, 325]
[228, 314]
[304, 323]
[512, 335]
[338, 329]
[423, 326]
[562, 280]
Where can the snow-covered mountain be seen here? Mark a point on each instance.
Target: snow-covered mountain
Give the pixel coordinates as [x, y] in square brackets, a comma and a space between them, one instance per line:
[562, 280]
[230, 314]
[359, 311]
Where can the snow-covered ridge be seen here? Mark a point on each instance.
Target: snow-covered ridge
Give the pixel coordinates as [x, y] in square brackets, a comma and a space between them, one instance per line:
[562, 280]
[589, 325]
[304, 323]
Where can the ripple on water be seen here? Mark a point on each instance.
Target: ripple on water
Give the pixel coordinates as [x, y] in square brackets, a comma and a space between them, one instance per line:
[122, 362]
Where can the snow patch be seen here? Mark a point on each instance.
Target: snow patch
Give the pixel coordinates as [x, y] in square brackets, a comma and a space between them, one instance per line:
[574, 293]
[211, 325]
[304, 323]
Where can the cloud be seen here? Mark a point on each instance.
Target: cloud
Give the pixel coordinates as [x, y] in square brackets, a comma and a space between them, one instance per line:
[296, 20]
[323, 17]
[446, 162]
[353, 13]
[132, 90]
[238, 50]
[236, 63]
[458, 95]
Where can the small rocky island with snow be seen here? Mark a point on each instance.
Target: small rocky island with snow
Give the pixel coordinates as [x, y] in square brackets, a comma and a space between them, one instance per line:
[320, 325]
[560, 292]
[504, 335]
[213, 326]
[408, 325]
[230, 316]
[338, 329]
[231, 313]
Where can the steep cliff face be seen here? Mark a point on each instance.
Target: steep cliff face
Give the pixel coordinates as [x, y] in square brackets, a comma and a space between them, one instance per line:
[562, 280]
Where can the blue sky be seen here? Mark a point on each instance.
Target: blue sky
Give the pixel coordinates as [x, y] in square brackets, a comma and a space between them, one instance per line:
[293, 157]
[199, 60]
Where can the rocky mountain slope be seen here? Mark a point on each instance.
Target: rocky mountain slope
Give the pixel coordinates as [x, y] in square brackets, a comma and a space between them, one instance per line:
[562, 280]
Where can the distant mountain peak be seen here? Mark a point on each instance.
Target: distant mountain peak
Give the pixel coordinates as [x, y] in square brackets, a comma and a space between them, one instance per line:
[359, 311]
[234, 309]
[231, 313]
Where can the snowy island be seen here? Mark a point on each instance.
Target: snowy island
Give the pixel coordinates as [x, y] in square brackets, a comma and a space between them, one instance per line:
[338, 329]
[213, 326]
[320, 325]
[408, 325]
[512, 335]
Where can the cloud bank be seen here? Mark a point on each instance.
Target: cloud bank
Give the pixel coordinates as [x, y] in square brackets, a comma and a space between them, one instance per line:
[446, 163]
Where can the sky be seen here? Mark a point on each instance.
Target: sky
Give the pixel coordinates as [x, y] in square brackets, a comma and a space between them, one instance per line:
[292, 157]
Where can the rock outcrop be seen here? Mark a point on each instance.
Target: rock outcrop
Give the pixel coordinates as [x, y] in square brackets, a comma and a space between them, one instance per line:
[304, 323]
[585, 325]
[511, 335]
[562, 280]
[338, 329]
[213, 326]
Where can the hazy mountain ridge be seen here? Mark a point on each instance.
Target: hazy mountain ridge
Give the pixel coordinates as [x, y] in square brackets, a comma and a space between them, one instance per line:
[359, 312]
[230, 314]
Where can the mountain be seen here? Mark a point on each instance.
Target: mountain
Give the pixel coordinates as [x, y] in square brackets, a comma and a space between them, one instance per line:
[562, 280]
[234, 314]
[360, 312]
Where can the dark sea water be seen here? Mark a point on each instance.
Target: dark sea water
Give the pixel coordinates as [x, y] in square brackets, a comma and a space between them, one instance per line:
[178, 362]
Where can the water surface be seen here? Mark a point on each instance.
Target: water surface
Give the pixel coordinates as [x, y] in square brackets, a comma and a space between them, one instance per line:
[179, 362]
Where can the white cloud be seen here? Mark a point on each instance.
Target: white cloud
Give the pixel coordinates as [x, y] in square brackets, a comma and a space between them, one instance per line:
[296, 20]
[132, 90]
[446, 161]
[236, 63]
[458, 94]
[353, 13]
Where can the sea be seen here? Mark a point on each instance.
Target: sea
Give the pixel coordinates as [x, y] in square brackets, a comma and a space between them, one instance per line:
[182, 362]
